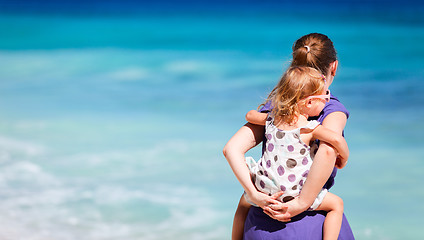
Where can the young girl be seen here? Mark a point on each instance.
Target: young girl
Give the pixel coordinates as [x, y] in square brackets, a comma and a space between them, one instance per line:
[286, 161]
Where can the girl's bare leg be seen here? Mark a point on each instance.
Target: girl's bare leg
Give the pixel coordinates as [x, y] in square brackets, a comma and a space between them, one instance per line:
[333, 205]
[239, 219]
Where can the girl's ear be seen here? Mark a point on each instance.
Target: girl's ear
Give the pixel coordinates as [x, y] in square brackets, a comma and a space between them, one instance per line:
[308, 103]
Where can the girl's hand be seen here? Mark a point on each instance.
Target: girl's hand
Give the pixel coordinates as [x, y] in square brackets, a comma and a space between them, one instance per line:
[340, 162]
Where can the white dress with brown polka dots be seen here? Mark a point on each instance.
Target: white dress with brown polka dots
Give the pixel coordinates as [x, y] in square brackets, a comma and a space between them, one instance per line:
[285, 163]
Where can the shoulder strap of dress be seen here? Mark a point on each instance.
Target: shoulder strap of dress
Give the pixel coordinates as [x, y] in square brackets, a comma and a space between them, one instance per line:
[269, 118]
[311, 125]
[269, 121]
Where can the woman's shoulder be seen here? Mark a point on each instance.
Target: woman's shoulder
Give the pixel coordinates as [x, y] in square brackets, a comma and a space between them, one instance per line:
[334, 105]
[267, 107]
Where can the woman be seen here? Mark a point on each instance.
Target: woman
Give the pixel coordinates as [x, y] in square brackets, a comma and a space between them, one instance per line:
[317, 51]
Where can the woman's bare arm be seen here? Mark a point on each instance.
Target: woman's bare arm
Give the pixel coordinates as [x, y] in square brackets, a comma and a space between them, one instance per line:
[324, 161]
[336, 140]
[243, 140]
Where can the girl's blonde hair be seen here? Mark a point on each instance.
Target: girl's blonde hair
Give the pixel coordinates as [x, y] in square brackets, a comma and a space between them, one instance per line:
[296, 84]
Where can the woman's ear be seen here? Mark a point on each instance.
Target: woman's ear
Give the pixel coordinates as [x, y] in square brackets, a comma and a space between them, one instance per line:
[333, 68]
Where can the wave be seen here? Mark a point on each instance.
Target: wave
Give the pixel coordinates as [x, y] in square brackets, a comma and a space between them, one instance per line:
[12, 146]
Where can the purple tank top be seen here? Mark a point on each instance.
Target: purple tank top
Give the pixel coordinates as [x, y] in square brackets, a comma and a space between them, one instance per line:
[305, 226]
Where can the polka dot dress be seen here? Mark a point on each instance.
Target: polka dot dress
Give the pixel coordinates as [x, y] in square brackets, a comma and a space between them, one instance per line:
[285, 164]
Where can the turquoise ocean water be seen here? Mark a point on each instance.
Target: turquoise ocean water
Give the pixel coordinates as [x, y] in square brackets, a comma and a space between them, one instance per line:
[112, 122]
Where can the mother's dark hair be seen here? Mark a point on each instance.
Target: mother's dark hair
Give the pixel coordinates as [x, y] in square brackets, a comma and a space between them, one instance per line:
[314, 50]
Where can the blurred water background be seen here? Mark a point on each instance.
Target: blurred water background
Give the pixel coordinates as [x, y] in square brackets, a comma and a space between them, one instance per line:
[113, 114]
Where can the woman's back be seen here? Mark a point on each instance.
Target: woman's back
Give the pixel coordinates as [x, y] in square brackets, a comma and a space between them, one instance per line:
[307, 225]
